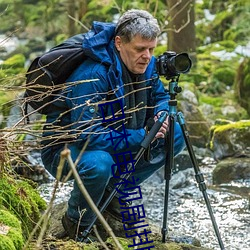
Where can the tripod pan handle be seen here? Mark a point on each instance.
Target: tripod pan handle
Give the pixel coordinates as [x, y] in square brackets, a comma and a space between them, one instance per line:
[153, 131]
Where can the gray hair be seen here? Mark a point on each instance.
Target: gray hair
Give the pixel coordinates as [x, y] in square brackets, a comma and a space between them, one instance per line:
[137, 22]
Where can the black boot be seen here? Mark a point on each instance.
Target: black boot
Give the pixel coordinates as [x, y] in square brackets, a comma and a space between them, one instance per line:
[114, 208]
[75, 231]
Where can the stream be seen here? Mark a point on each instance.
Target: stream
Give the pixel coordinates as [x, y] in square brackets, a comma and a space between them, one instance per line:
[187, 212]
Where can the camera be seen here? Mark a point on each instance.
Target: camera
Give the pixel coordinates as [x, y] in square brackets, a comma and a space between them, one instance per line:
[171, 65]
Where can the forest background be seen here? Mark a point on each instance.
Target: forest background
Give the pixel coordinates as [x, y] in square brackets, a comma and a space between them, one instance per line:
[214, 33]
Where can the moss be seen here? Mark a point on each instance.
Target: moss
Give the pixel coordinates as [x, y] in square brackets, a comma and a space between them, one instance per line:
[235, 125]
[220, 131]
[9, 219]
[21, 199]
[6, 243]
[229, 45]
[16, 61]
[219, 102]
[214, 101]
[225, 75]
[13, 239]
[16, 237]
[123, 241]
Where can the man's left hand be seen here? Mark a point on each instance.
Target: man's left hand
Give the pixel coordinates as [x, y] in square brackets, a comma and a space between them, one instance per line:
[163, 129]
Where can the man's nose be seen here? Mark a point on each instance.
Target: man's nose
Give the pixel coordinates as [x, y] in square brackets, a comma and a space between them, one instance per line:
[146, 54]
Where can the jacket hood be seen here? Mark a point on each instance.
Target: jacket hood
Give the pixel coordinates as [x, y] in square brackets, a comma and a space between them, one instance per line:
[98, 43]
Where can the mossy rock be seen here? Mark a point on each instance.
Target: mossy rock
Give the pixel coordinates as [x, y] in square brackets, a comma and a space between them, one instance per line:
[219, 107]
[22, 200]
[232, 139]
[11, 237]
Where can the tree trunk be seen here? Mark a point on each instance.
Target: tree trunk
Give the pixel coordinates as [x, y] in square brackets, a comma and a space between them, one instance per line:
[83, 7]
[181, 27]
[71, 6]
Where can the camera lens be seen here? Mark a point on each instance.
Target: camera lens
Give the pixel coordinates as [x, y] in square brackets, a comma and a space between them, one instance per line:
[182, 63]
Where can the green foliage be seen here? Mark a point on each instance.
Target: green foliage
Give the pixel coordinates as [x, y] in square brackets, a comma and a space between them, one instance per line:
[12, 67]
[242, 84]
[22, 200]
[224, 75]
[229, 23]
[17, 61]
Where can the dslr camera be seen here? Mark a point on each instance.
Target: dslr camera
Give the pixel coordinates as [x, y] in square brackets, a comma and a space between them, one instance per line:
[171, 65]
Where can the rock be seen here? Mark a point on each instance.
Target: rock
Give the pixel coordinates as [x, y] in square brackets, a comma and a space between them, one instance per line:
[181, 179]
[231, 169]
[197, 125]
[232, 139]
[190, 96]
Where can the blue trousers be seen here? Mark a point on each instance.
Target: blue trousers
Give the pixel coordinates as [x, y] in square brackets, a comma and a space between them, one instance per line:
[97, 170]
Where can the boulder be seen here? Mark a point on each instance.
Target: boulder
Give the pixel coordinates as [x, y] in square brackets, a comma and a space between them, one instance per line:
[231, 139]
[197, 125]
[231, 169]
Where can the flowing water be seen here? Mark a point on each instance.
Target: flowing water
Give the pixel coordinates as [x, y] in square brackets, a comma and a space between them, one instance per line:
[187, 212]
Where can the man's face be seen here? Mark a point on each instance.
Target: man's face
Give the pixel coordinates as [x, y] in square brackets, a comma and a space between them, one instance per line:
[137, 53]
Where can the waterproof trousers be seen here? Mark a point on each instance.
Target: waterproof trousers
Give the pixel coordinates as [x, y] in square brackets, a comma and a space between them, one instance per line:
[99, 170]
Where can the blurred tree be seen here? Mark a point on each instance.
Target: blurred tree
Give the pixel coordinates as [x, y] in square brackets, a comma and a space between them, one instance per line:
[181, 26]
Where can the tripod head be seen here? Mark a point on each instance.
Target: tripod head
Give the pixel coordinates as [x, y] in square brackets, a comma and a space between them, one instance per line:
[174, 89]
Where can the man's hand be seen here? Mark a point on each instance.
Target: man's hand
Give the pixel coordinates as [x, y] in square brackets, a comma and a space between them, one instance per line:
[164, 128]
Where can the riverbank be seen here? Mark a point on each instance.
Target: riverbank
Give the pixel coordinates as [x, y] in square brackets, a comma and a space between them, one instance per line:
[188, 216]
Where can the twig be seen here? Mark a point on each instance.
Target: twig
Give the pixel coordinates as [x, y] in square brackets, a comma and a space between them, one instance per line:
[66, 154]
[99, 238]
[77, 21]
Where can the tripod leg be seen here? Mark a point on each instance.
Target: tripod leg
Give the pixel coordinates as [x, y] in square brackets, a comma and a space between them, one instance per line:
[199, 176]
[168, 172]
[144, 145]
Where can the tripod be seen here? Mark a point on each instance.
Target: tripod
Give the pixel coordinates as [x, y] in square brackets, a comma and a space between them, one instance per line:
[173, 114]
[173, 90]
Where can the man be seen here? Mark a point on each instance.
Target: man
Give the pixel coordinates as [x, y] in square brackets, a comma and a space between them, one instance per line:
[123, 85]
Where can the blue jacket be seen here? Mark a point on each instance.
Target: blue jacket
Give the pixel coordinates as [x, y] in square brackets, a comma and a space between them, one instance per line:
[83, 121]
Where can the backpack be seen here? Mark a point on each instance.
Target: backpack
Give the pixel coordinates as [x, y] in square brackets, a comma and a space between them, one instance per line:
[47, 74]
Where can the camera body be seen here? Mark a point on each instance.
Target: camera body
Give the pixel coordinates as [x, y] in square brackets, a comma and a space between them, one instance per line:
[171, 65]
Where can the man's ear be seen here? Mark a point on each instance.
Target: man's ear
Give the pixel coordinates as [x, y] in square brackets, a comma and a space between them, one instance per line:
[118, 43]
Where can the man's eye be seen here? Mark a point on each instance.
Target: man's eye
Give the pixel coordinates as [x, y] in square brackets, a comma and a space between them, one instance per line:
[139, 50]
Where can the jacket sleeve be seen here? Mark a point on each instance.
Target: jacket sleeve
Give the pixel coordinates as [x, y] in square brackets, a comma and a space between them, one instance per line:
[86, 117]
